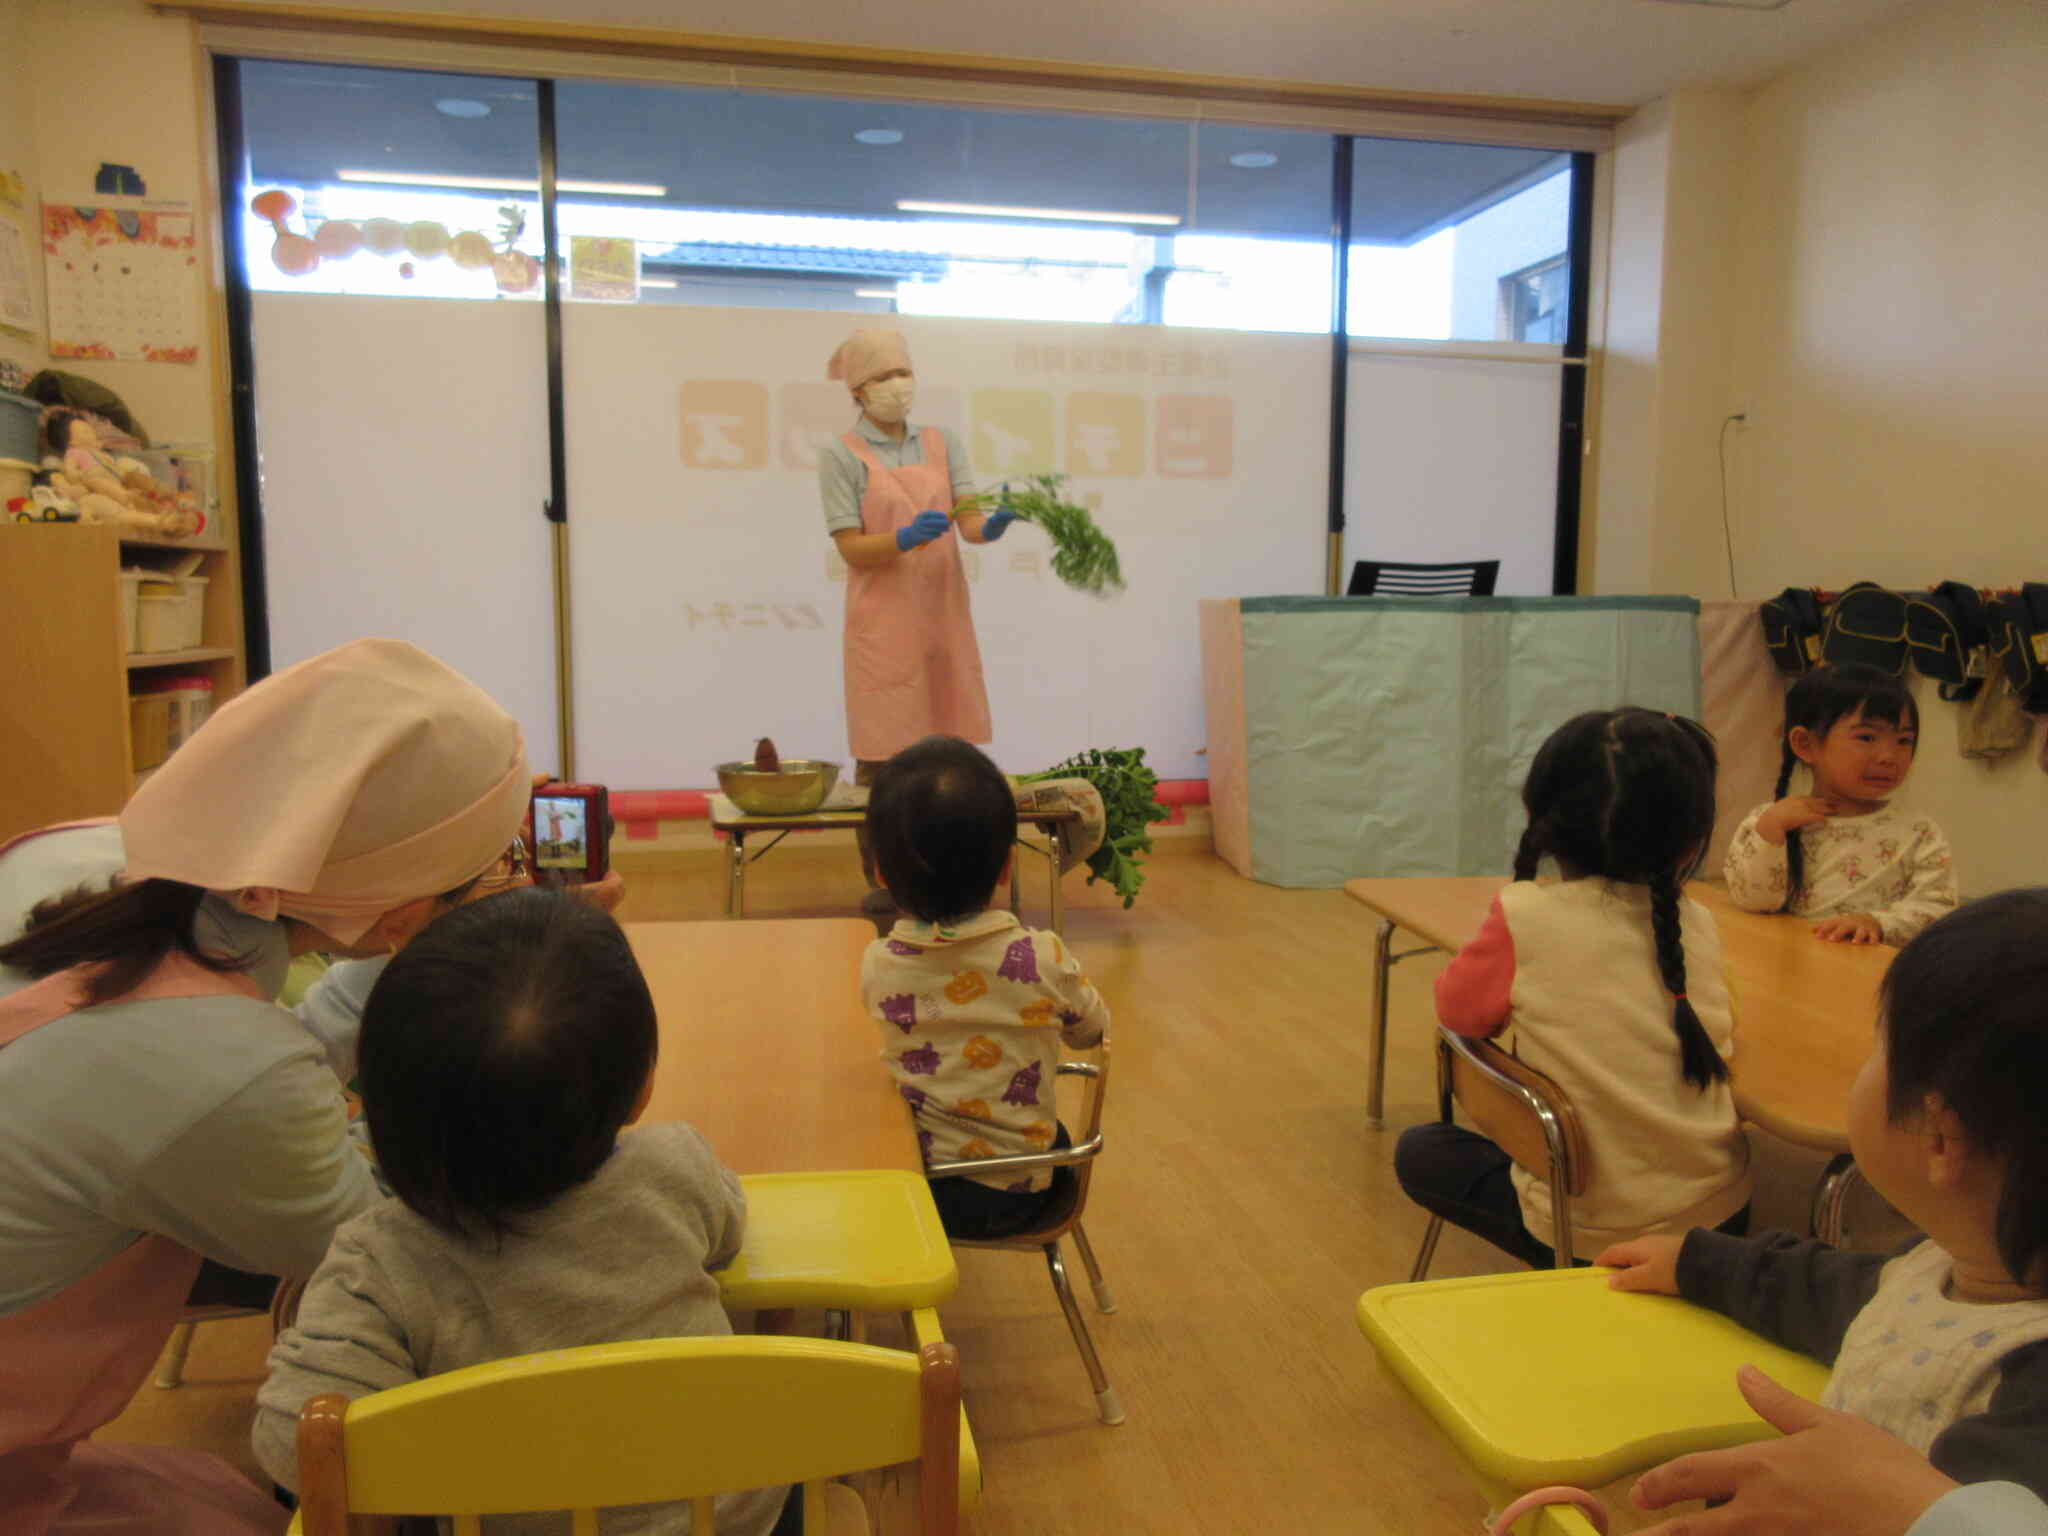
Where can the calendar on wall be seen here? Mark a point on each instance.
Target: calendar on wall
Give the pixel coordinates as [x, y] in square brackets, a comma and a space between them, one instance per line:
[123, 283]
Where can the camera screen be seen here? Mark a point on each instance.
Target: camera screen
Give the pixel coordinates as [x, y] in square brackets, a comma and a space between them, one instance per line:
[559, 832]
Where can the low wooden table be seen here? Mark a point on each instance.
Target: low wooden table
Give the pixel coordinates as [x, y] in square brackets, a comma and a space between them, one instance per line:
[765, 1047]
[736, 824]
[1805, 1008]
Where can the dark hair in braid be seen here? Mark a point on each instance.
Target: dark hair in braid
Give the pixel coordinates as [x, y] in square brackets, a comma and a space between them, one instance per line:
[1830, 693]
[1628, 795]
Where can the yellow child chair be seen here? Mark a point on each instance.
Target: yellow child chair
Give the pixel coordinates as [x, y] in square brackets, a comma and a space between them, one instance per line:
[1063, 1216]
[636, 1423]
[1547, 1376]
[1523, 1113]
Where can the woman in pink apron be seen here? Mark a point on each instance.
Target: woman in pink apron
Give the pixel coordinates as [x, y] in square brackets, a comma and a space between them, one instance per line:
[912, 666]
[162, 1109]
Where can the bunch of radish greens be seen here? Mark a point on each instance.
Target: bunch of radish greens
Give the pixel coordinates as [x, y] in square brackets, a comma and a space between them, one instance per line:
[1083, 556]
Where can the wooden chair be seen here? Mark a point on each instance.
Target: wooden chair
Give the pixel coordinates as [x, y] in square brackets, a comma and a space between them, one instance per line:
[636, 1423]
[1523, 1113]
[1396, 578]
[1063, 1217]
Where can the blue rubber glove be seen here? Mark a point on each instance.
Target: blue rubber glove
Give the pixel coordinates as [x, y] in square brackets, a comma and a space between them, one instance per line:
[925, 527]
[993, 525]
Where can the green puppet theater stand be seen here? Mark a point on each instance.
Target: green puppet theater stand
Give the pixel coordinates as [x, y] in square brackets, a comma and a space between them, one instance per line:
[1388, 736]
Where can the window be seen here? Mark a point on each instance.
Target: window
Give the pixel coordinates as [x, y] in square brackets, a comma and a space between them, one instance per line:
[1437, 228]
[1532, 303]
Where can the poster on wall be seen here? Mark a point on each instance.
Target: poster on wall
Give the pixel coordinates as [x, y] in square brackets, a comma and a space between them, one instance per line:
[122, 283]
[709, 597]
[17, 294]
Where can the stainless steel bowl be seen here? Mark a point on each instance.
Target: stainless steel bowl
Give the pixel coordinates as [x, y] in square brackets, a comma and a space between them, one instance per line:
[800, 785]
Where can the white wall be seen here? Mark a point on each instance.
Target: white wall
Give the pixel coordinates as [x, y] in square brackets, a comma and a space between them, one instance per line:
[18, 157]
[1851, 256]
[109, 81]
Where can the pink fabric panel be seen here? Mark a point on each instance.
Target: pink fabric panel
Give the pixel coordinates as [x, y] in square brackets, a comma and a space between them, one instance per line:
[1742, 701]
[1222, 630]
[1472, 992]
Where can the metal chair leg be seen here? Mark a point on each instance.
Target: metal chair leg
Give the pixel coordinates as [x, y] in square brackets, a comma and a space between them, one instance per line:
[1831, 1198]
[1428, 1249]
[170, 1371]
[1104, 1302]
[1106, 1401]
[1376, 1039]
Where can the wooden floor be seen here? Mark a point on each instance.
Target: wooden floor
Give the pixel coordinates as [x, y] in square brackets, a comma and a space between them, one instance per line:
[1240, 1208]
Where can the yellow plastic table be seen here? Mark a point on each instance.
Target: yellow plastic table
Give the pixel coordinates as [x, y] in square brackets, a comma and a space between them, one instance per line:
[1547, 1376]
[865, 1240]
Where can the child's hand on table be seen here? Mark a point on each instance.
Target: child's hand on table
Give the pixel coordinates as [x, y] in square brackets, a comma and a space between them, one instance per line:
[1644, 1264]
[1850, 928]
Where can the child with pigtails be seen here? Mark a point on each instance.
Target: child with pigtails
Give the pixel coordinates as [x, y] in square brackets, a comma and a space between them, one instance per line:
[1611, 978]
[971, 1004]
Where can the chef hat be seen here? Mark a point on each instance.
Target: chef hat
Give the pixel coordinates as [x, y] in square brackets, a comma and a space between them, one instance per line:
[867, 354]
[336, 790]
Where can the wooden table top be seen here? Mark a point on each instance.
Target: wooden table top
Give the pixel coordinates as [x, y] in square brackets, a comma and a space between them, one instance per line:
[1806, 1009]
[765, 1047]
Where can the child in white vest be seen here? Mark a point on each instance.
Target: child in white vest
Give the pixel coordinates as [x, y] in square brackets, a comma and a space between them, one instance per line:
[1944, 1343]
[971, 1004]
[1864, 871]
[1612, 981]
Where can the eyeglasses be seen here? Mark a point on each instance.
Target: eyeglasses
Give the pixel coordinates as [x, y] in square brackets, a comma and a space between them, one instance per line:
[512, 868]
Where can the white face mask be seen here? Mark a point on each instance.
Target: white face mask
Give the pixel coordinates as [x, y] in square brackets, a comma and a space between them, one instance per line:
[889, 401]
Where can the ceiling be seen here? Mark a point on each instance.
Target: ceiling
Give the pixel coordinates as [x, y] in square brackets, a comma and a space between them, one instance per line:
[1621, 52]
[304, 123]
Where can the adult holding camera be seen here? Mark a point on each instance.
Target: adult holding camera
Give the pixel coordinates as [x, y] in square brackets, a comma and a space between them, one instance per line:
[913, 668]
[163, 1112]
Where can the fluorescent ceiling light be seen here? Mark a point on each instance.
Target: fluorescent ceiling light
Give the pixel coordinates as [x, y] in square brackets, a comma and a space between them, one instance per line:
[462, 106]
[1068, 215]
[502, 183]
[1254, 160]
[879, 135]
[874, 293]
[657, 282]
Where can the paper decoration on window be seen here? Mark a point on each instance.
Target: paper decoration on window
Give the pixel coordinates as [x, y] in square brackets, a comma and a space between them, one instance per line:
[123, 283]
[604, 268]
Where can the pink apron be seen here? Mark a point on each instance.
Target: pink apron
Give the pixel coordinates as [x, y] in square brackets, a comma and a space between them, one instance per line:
[912, 667]
[70, 1364]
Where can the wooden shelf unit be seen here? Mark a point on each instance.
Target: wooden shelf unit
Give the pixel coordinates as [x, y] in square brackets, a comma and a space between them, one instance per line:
[65, 666]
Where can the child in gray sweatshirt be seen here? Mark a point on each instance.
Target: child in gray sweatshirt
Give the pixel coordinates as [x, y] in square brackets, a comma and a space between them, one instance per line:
[503, 1051]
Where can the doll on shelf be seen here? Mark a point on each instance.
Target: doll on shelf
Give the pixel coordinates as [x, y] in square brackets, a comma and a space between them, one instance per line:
[111, 490]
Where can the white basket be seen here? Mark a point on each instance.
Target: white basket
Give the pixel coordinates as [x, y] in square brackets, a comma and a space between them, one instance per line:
[172, 621]
[131, 613]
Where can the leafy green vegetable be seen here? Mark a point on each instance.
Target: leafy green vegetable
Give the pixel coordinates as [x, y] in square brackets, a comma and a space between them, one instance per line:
[1083, 555]
[1129, 806]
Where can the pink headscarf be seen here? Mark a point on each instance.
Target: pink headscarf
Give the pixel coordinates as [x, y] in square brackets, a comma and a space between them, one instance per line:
[867, 354]
[336, 790]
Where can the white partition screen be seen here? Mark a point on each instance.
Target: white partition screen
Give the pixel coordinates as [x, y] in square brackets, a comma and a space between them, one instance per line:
[708, 596]
[405, 460]
[1453, 459]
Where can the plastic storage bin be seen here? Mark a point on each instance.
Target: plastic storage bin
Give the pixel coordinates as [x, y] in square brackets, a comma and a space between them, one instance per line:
[171, 614]
[162, 715]
[18, 418]
[131, 610]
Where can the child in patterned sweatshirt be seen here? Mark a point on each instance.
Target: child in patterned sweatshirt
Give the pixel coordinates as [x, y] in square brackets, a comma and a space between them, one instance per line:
[1864, 871]
[972, 1004]
[1944, 1343]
